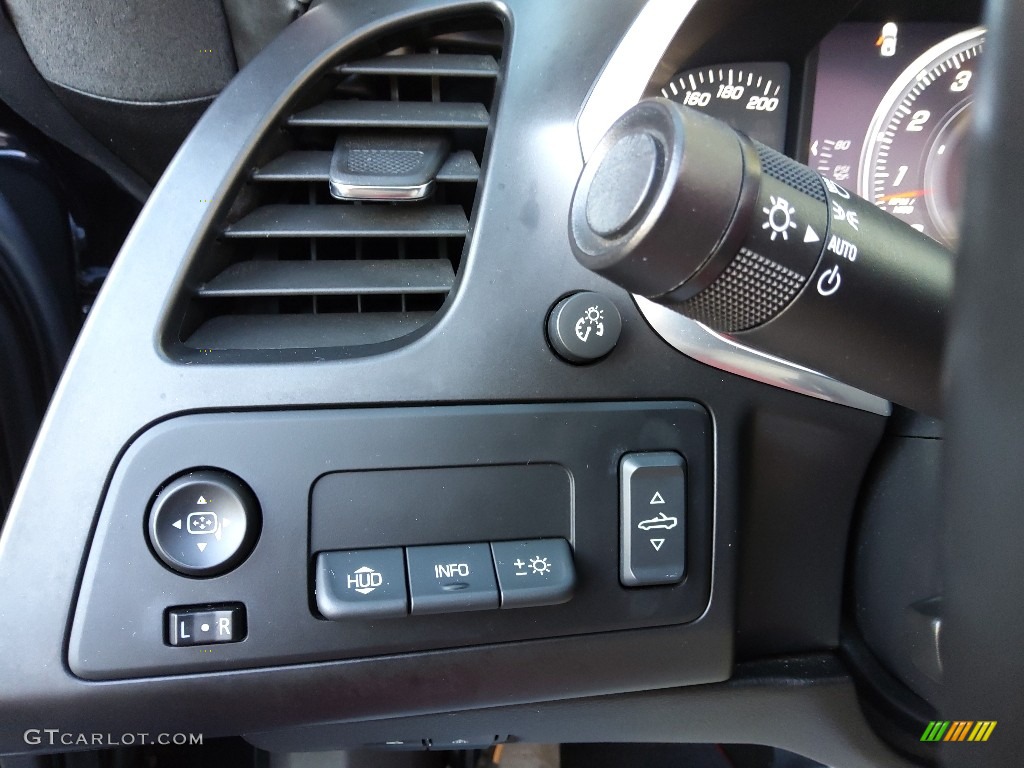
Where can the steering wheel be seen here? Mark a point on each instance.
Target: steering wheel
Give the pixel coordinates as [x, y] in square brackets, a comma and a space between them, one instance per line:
[984, 527]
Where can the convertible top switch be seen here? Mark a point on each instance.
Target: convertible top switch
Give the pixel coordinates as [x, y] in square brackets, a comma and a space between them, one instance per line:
[653, 516]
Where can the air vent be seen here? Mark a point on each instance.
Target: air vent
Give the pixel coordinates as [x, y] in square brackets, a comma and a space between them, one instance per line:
[294, 267]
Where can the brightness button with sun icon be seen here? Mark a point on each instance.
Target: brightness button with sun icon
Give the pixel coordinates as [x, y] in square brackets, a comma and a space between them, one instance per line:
[540, 565]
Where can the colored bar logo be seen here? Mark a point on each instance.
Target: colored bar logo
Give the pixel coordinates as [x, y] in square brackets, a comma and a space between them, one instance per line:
[958, 730]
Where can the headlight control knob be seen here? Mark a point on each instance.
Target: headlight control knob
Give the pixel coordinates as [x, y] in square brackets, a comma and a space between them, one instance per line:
[680, 208]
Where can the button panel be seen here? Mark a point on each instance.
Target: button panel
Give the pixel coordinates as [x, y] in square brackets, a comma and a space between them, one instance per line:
[451, 578]
[415, 446]
[448, 578]
[363, 584]
[653, 515]
[205, 625]
[532, 573]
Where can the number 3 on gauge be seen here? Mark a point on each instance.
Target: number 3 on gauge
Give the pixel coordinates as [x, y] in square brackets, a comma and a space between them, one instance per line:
[913, 160]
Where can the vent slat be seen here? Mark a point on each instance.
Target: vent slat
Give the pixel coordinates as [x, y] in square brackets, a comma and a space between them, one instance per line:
[315, 165]
[431, 64]
[460, 166]
[351, 221]
[298, 165]
[262, 332]
[392, 114]
[252, 279]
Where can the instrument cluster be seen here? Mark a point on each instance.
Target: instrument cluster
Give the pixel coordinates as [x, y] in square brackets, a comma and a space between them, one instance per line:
[892, 111]
[890, 114]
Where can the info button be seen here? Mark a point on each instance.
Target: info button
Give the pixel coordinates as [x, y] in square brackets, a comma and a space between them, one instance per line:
[450, 578]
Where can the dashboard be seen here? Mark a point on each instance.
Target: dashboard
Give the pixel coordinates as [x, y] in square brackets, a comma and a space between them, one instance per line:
[330, 472]
[892, 110]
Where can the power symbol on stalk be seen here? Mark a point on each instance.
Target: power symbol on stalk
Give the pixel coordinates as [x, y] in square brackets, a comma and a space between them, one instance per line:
[829, 281]
[780, 217]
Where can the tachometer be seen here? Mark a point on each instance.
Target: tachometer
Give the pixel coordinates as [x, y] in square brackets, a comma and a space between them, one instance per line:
[752, 98]
[913, 158]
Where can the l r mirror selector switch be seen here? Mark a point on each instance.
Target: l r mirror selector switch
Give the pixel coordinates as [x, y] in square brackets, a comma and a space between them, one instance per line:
[653, 516]
[205, 625]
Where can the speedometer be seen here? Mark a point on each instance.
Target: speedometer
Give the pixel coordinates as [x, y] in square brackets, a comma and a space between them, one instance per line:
[752, 98]
[912, 162]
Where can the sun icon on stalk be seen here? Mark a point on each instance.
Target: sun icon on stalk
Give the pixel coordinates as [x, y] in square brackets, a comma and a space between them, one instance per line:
[780, 217]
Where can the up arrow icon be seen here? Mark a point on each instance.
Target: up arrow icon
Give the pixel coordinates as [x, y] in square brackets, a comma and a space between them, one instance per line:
[657, 498]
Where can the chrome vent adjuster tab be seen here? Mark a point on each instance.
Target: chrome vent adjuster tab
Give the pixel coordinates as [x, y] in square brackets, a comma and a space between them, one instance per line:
[393, 168]
[351, 229]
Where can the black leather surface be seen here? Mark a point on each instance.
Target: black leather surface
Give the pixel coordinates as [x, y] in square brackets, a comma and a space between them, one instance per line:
[984, 533]
[144, 135]
[253, 24]
[24, 90]
[138, 76]
[135, 75]
[133, 51]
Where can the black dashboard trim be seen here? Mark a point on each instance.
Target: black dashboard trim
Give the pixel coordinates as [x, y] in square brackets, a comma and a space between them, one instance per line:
[119, 382]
